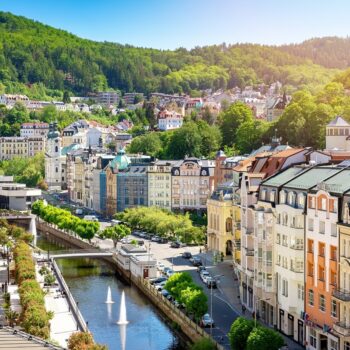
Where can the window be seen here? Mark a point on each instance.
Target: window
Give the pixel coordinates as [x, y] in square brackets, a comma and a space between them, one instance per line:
[334, 308]
[283, 197]
[313, 338]
[333, 344]
[263, 195]
[321, 275]
[312, 202]
[311, 297]
[300, 291]
[278, 239]
[322, 303]
[284, 287]
[334, 230]
[310, 224]
[346, 345]
[272, 195]
[322, 228]
[323, 204]
[56, 170]
[310, 246]
[291, 198]
[285, 240]
[301, 200]
[321, 249]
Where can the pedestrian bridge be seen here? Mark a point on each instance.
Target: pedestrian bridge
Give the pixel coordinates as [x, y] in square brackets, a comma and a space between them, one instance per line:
[80, 253]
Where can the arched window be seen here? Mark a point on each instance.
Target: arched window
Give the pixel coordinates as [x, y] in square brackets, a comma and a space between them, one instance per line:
[301, 200]
[283, 196]
[291, 198]
[285, 219]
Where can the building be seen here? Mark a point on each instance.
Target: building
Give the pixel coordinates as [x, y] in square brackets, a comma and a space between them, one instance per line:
[223, 171]
[192, 184]
[224, 221]
[159, 184]
[107, 98]
[34, 130]
[338, 135]
[23, 147]
[341, 292]
[323, 297]
[15, 196]
[129, 97]
[275, 107]
[169, 120]
[10, 100]
[54, 171]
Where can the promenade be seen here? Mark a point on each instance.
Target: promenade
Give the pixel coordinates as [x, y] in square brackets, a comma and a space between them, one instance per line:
[63, 323]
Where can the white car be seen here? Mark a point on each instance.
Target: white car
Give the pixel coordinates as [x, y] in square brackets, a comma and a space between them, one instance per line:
[160, 266]
[170, 272]
[207, 321]
[204, 274]
[160, 286]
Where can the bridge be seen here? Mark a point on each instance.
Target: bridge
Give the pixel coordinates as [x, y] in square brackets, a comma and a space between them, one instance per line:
[79, 253]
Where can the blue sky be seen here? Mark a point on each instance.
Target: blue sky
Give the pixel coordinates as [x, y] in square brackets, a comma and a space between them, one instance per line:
[168, 24]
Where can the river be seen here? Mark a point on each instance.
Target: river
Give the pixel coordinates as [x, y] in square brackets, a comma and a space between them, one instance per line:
[88, 281]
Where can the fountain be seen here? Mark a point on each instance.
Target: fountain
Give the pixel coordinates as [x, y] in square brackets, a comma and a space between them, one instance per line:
[122, 312]
[32, 228]
[109, 296]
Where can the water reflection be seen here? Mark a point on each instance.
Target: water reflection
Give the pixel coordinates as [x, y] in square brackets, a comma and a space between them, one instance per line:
[88, 280]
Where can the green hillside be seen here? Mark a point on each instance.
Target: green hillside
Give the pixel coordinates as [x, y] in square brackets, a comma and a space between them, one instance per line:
[43, 61]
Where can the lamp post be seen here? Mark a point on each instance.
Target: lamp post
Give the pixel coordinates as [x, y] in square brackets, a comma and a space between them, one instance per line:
[211, 304]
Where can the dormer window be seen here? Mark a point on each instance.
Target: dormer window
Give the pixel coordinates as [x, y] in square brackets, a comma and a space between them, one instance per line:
[272, 196]
[283, 197]
[301, 200]
[291, 198]
[263, 195]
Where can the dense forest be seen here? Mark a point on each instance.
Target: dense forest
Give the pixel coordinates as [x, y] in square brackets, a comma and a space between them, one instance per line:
[42, 61]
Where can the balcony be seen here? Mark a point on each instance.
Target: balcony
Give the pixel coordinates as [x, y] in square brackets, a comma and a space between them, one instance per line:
[249, 252]
[341, 294]
[342, 328]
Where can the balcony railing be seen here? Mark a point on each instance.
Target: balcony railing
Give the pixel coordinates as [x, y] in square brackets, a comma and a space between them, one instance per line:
[341, 294]
[342, 328]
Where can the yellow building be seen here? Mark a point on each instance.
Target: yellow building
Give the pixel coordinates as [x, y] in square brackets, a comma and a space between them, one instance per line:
[23, 147]
[159, 184]
[224, 223]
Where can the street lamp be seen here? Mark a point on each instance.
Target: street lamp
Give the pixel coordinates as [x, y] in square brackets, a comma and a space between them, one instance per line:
[211, 304]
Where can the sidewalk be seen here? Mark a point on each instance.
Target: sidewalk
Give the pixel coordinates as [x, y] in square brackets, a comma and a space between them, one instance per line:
[229, 287]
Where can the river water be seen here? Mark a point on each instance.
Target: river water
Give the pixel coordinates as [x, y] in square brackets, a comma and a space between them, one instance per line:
[88, 281]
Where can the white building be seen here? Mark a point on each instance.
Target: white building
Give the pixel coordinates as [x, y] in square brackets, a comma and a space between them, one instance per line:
[168, 120]
[338, 135]
[53, 162]
[34, 130]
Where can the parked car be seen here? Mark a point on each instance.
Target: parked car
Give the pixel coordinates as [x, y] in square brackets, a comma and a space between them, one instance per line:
[90, 218]
[165, 293]
[163, 240]
[155, 239]
[126, 240]
[197, 261]
[211, 282]
[158, 280]
[204, 275]
[160, 266]
[186, 255]
[170, 272]
[166, 269]
[160, 286]
[207, 321]
[140, 242]
[176, 303]
[175, 245]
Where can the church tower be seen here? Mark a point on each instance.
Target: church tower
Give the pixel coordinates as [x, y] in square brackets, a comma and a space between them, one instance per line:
[53, 166]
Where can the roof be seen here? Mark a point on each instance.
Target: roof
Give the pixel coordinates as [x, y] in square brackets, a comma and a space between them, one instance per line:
[338, 183]
[121, 160]
[338, 121]
[312, 177]
[283, 177]
[244, 165]
[70, 148]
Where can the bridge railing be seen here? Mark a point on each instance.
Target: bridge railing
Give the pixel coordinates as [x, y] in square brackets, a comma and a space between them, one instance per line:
[77, 251]
[73, 305]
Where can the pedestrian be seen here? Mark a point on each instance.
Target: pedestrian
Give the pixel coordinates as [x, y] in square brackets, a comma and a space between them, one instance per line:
[200, 250]
[243, 309]
[253, 314]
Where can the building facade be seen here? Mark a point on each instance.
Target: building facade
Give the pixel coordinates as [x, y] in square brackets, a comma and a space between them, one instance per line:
[23, 147]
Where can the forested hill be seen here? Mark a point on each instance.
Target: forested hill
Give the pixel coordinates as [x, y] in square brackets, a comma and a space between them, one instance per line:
[330, 52]
[40, 60]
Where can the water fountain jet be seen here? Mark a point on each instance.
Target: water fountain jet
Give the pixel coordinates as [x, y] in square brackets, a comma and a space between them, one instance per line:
[122, 311]
[109, 296]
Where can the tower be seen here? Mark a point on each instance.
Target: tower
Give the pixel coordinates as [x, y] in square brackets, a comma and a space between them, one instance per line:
[53, 165]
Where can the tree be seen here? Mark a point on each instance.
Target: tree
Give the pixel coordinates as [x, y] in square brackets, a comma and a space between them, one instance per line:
[231, 119]
[49, 279]
[116, 233]
[80, 340]
[195, 300]
[66, 97]
[149, 144]
[264, 339]
[239, 333]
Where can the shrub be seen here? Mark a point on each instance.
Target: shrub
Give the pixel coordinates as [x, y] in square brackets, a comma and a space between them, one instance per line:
[264, 339]
[203, 344]
[239, 333]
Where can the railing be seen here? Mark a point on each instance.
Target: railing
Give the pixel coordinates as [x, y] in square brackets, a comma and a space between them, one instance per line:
[341, 294]
[79, 252]
[32, 338]
[179, 313]
[73, 305]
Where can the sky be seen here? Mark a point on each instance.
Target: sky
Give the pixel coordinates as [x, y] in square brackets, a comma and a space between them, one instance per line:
[169, 24]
